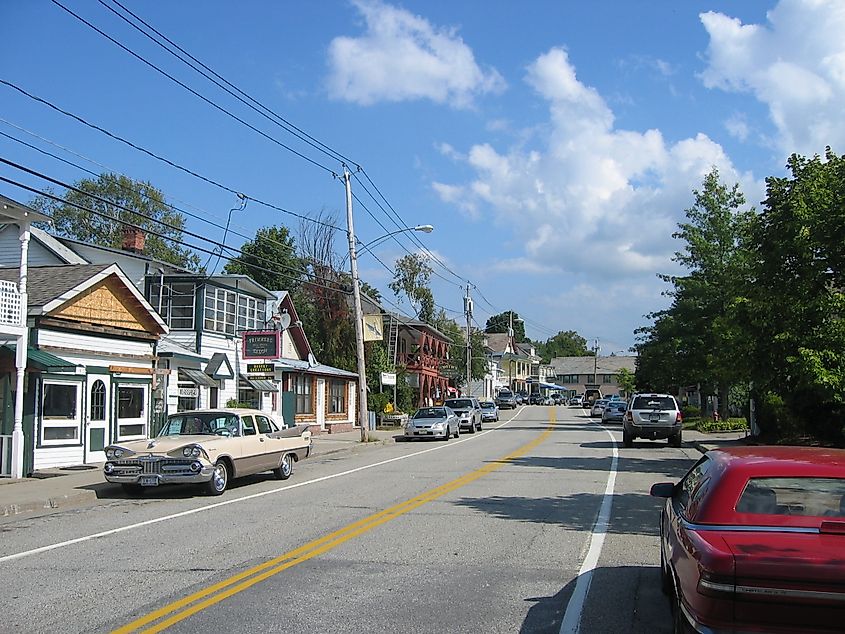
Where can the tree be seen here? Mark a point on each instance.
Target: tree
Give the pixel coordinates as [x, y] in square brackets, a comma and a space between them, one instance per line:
[457, 354]
[500, 323]
[270, 259]
[627, 381]
[117, 197]
[698, 338]
[563, 344]
[411, 278]
[796, 309]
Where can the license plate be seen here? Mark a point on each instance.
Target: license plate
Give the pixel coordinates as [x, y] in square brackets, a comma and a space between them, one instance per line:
[654, 418]
[148, 481]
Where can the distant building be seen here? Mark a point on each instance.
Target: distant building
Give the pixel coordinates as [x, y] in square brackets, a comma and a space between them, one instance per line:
[576, 373]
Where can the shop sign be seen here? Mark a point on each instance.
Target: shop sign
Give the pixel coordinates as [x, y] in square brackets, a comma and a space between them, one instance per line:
[259, 368]
[262, 344]
[188, 392]
[388, 378]
[125, 369]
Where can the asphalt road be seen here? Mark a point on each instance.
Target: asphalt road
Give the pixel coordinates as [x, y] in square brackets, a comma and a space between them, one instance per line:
[493, 532]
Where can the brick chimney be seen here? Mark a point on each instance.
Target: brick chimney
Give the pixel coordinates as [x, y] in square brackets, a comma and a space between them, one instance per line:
[133, 240]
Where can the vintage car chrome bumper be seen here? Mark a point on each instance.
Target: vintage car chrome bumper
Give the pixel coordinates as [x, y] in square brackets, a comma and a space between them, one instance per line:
[156, 470]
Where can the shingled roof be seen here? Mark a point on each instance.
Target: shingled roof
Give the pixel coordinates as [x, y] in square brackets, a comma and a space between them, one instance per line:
[46, 283]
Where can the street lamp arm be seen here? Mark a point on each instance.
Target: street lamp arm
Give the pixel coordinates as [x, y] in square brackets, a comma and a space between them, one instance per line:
[369, 245]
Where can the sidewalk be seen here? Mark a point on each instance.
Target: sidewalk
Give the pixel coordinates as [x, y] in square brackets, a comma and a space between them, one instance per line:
[81, 485]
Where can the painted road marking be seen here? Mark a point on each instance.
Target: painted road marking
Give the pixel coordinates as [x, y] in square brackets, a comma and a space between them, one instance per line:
[183, 608]
[209, 507]
[572, 617]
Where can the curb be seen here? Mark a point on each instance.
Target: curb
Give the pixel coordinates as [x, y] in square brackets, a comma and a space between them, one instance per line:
[54, 502]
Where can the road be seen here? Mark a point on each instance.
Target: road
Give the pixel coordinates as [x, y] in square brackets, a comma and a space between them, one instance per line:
[493, 532]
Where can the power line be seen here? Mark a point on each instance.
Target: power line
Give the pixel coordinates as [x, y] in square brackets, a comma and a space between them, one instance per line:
[194, 92]
[222, 246]
[163, 159]
[240, 96]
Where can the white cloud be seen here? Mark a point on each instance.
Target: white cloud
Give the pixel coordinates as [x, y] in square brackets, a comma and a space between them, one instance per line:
[794, 64]
[447, 150]
[403, 57]
[593, 201]
[737, 127]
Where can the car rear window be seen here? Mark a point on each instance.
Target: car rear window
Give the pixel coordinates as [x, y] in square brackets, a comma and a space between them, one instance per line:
[823, 497]
[458, 402]
[653, 402]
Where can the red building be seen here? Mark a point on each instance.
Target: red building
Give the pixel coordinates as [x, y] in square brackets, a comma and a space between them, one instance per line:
[424, 351]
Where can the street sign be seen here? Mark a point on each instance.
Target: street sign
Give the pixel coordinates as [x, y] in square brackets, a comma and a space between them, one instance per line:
[388, 378]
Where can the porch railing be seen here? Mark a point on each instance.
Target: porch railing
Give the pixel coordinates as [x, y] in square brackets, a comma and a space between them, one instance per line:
[10, 304]
[5, 455]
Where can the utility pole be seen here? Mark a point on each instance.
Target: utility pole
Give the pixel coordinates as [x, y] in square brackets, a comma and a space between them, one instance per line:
[363, 419]
[596, 362]
[468, 312]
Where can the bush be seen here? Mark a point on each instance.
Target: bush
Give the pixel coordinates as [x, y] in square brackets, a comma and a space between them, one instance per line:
[690, 411]
[236, 404]
[706, 425]
[377, 401]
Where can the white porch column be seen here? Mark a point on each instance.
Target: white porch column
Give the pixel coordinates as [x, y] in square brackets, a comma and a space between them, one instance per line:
[20, 358]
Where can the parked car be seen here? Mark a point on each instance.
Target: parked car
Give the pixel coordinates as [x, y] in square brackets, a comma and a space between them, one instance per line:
[598, 407]
[557, 398]
[433, 422]
[576, 401]
[489, 411]
[506, 399]
[468, 410]
[653, 416]
[614, 411]
[536, 399]
[522, 397]
[752, 539]
[208, 447]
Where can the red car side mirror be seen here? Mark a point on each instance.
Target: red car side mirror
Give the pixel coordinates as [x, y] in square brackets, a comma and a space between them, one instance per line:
[662, 489]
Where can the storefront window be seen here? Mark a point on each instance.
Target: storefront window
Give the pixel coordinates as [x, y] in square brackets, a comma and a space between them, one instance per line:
[60, 412]
[131, 420]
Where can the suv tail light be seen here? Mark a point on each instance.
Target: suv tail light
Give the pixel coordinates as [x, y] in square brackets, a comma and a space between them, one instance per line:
[629, 416]
[679, 418]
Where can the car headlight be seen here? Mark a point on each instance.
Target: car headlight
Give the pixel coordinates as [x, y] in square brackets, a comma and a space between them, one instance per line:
[191, 452]
[114, 453]
[109, 454]
[108, 468]
[439, 425]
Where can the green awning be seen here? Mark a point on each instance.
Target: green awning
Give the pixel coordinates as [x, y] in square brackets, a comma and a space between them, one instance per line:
[197, 377]
[40, 360]
[260, 385]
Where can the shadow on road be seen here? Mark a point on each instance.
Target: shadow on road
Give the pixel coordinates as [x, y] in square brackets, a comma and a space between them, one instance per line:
[638, 606]
[631, 514]
[662, 468]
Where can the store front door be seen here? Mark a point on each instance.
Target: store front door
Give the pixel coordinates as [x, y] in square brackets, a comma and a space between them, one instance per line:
[97, 418]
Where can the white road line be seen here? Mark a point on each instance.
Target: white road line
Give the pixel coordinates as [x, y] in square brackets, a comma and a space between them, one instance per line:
[209, 507]
[572, 618]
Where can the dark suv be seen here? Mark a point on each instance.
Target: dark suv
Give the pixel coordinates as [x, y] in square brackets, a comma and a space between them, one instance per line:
[652, 416]
[505, 399]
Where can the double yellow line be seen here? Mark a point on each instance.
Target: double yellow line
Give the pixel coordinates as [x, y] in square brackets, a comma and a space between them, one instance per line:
[180, 610]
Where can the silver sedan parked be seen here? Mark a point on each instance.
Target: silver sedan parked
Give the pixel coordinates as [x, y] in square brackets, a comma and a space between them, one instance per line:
[433, 422]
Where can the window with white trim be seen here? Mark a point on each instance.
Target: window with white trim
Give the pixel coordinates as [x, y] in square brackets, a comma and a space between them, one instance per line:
[60, 412]
[251, 313]
[220, 310]
[337, 397]
[175, 303]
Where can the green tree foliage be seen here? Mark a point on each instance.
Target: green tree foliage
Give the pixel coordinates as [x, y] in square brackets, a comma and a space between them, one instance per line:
[411, 279]
[627, 381]
[563, 344]
[118, 198]
[704, 336]
[796, 312]
[270, 259]
[500, 323]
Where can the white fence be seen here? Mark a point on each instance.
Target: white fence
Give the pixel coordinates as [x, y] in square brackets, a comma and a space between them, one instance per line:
[10, 304]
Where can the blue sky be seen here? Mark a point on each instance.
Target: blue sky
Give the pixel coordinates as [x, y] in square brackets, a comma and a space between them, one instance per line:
[553, 145]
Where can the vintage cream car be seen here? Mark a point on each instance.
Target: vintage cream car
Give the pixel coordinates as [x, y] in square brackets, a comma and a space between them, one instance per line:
[208, 447]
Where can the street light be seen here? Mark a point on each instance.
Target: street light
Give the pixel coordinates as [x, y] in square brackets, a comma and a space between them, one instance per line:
[356, 296]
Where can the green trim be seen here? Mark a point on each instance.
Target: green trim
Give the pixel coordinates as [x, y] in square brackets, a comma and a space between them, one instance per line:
[97, 369]
[66, 377]
[120, 380]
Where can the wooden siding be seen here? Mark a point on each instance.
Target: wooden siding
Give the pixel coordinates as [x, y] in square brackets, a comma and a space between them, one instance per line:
[10, 250]
[49, 457]
[106, 304]
[95, 350]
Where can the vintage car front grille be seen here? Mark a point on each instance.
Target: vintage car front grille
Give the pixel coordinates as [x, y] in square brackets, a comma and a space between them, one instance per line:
[152, 466]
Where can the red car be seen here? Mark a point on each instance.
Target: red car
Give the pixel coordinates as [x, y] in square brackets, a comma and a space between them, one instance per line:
[752, 539]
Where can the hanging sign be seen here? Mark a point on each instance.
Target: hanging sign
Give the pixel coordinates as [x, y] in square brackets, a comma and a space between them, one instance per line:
[262, 344]
[388, 378]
